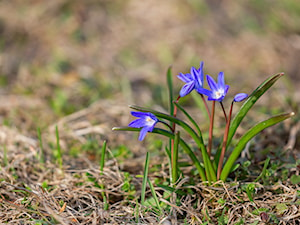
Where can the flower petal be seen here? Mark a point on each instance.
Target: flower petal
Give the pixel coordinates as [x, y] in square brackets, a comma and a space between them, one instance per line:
[143, 133]
[138, 114]
[194, 72]
[187, 88]
[185, 77]
[201, 74]
[204, 91]
[226, 89]
[138, 123]
[240, 97]
[221, 80]
[211, 83]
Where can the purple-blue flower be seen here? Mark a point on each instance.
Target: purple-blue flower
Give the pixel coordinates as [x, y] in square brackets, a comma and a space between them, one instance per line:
[193, 80]
[145, 120]
[217, 91]
[240, 97]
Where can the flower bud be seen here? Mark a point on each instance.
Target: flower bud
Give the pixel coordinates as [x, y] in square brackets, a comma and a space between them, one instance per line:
[240, 97]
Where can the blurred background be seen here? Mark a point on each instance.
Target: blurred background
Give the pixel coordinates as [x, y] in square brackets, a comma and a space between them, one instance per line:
[58, 57]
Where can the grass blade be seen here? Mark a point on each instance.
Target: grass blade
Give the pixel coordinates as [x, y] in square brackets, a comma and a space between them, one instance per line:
[263, 172]
[58, 149]
[246, 138]
[155, 196]
[145, 177]
[174, 158]
[102, 161]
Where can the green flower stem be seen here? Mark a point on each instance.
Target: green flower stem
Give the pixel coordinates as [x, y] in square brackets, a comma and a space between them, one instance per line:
[224, 143]
[211, 126]
[247, 137]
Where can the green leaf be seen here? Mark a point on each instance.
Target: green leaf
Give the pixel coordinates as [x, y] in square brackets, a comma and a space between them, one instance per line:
[189, 117]
[199, 103]
[247, 137]
[256, 94]
[170, 88]
[198, 139]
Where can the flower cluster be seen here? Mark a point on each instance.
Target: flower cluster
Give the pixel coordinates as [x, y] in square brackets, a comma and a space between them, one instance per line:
[217, 92]
[193, 81]
[212, 165]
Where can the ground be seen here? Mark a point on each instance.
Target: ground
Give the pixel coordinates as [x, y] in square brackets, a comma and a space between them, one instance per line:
[69, 70]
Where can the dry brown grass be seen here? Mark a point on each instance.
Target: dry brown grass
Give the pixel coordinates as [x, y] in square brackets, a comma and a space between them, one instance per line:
[104, 55]
[71, 195]
[71, 199]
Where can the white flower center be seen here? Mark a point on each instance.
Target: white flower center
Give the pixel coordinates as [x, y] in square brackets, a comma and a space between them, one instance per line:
[219, 94]
[150, 121]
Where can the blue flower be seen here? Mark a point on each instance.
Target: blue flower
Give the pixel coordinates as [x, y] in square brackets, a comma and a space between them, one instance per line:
[146, 120]
[218, 90]
[193, 80]
[240, 97]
